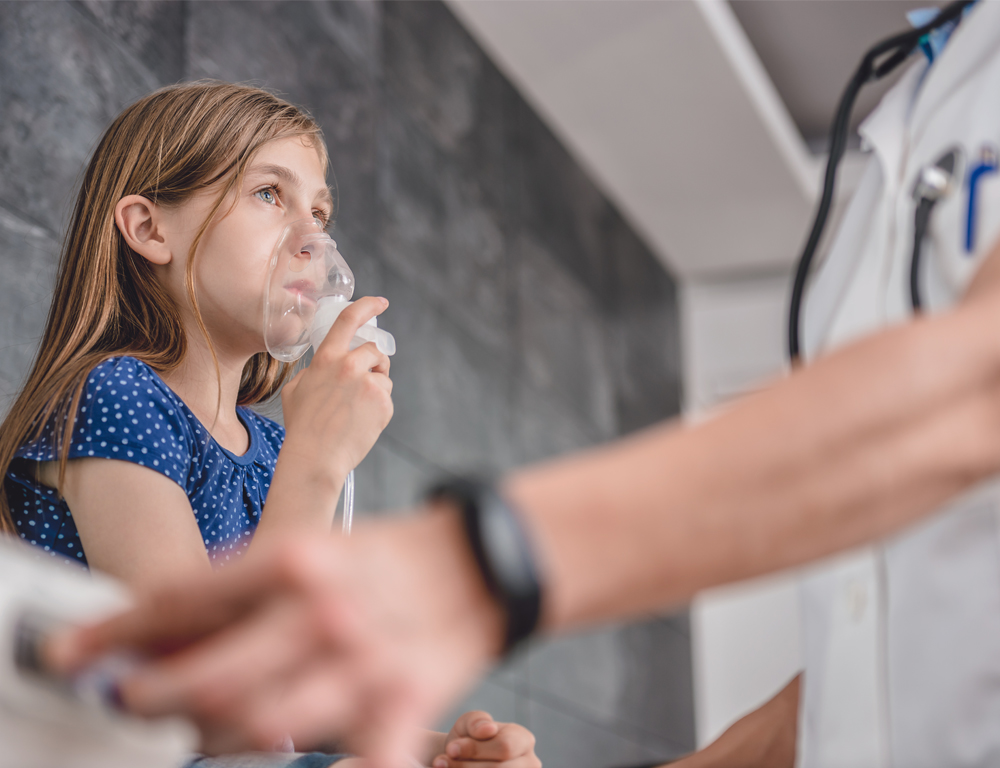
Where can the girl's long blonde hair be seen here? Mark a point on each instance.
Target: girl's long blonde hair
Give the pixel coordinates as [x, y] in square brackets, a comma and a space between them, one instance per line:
[107, 302]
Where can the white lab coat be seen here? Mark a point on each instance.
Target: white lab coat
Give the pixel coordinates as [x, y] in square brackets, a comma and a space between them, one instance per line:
[902, 639]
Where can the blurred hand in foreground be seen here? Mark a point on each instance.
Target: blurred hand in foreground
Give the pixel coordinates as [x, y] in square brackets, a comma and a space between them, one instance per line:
[361, 639]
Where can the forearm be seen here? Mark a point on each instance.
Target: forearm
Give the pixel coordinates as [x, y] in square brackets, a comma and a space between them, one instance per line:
[302, 498]
[851, 448]
[334, 410]
[765, 738]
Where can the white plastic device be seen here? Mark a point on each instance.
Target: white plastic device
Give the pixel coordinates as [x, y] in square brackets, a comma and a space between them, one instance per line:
[47, 721]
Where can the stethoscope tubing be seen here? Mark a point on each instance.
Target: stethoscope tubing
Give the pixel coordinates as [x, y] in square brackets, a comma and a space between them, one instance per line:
[899, 47]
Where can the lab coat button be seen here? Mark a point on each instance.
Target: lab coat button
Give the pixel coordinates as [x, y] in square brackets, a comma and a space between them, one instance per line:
[857, 599]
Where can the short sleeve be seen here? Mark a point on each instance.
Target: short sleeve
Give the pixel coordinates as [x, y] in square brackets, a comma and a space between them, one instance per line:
[126, 413]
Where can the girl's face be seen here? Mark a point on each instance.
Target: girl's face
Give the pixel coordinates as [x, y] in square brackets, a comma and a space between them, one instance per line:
[285, 182]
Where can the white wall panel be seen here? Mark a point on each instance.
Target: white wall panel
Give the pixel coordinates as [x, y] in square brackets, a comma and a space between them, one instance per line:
[745, 637]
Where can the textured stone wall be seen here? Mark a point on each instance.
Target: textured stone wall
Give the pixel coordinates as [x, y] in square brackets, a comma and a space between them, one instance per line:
[530, 319]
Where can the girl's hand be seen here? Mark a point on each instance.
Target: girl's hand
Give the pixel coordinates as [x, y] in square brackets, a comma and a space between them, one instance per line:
[476, 741]
[337, 407]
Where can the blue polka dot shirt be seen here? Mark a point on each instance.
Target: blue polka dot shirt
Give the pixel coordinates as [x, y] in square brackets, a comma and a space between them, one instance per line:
[128, 413]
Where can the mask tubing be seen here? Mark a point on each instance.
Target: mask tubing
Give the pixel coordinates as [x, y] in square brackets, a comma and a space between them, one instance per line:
[348, 503]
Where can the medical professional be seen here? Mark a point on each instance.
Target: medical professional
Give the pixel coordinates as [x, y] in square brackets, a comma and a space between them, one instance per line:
[371, 634]
[902, 639]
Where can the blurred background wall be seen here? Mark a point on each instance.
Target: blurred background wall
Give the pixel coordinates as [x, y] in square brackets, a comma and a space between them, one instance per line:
[531, 317]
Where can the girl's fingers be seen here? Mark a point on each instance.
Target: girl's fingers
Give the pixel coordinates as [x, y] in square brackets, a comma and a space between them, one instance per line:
[511, 741]
[476, 723]
[347, 325]
[385, 383]
[525, 761]
[367, 357]
[483, 728]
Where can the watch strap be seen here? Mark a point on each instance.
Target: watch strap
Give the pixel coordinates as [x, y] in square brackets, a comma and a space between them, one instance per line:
[502, 550]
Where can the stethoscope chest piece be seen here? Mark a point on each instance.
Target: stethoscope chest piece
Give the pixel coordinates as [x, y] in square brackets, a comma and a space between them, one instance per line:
[934, 183]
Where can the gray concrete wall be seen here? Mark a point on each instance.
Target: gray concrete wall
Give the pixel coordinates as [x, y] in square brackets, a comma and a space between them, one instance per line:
[530, 319]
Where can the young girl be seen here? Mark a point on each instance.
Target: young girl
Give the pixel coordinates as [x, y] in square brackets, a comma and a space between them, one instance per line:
[131, 447]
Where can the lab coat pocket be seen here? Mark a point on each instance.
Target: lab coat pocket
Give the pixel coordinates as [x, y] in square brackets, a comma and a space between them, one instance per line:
[966, 226]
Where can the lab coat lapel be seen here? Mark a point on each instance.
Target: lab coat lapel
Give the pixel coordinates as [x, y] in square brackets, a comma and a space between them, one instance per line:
[866, 215]
[883, 129]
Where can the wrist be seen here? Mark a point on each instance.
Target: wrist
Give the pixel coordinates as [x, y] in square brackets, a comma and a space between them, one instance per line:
[302, 492]
[312, 463]
[502, 550]
[459, 575]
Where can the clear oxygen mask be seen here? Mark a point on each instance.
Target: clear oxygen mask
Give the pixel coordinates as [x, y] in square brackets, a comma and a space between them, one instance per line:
[308, 286]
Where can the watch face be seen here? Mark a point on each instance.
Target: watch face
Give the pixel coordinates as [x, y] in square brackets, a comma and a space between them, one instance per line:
[506, 545]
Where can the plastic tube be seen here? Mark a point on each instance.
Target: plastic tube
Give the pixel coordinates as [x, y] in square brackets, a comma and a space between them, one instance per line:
[348, 503]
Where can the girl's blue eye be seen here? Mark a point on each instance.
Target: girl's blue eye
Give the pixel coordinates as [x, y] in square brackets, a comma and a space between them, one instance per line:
[267, 195]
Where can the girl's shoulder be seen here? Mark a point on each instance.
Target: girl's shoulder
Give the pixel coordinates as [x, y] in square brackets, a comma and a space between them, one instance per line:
[124, 373]
[127, 382]
[126, 411]
[122, 369]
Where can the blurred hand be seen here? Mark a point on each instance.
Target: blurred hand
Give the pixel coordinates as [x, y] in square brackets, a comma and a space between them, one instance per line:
[477, 741]
[335, 409]
[359, 639]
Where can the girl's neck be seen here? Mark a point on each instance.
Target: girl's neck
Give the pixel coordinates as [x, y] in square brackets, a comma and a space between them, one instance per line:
[211, 395]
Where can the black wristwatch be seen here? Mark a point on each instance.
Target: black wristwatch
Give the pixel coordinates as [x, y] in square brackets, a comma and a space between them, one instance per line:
[502, 550]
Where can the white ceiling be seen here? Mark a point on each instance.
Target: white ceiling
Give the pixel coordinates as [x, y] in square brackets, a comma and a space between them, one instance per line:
[673, 111]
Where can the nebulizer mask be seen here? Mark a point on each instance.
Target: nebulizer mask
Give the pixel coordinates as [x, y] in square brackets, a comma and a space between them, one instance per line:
[309, 285]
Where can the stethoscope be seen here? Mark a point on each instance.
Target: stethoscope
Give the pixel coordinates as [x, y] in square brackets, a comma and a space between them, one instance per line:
[934, 183]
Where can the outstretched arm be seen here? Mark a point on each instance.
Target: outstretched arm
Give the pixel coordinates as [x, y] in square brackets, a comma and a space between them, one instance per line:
[394, 622]
[764, 738]
[847, 450]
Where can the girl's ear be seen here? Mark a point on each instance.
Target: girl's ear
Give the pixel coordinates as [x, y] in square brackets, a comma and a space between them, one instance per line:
[140, 222]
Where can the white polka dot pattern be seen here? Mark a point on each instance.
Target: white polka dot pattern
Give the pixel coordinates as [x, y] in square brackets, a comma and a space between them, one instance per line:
[128, 413]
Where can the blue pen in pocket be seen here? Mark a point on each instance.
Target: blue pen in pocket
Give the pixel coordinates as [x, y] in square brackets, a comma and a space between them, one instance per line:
[987, 164]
